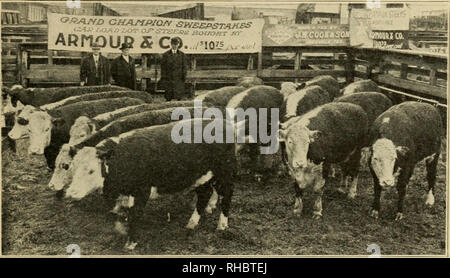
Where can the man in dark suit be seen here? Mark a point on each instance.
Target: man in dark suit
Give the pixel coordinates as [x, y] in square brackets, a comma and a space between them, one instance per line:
[173, 71]
[123, 68]
[95, 69]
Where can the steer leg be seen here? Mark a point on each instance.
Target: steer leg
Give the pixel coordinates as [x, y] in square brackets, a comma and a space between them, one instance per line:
[225, 189]
[50, 154]
[134, 215]
[431, 178]
[203, 192]
[350, 171]
[377, 195]
[403, 180]
[317, 193]
[298, 206]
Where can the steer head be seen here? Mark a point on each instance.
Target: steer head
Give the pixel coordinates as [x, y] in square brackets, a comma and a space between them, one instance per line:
[40, 127]
[62, 176]
[21, 126]
[89, 169]
[384, 161]
[81, 129]
[297, 139]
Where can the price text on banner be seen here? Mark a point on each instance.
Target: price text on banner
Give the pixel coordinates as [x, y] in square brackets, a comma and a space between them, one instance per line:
[153, 34]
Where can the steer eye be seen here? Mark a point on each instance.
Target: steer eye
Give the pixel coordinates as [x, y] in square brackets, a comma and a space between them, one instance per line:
[65, 166]
[91, 172]
[22, 121]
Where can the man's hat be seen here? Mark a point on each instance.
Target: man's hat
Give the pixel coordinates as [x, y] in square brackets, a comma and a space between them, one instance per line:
[175, 40]
[126, 45]
[95, 46]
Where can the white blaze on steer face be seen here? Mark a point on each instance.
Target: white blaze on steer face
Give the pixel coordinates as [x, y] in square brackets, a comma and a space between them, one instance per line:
[21, 125]
[87, 174]
[288, 88]
[297, 142]
[40, 126]
[384, 156]
[62, 176]
[81, 129]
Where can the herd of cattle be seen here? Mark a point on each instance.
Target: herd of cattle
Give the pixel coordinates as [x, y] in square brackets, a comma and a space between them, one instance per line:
[118, 142]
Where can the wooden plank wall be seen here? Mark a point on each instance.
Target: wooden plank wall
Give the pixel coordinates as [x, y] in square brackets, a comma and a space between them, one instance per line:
[423, 73]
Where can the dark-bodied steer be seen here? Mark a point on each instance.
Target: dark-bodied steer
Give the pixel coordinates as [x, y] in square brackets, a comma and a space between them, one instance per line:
[144, 163]
[330, 133]
[400, 137]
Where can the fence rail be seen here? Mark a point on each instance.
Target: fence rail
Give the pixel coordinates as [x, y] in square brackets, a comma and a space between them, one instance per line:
[421, 73]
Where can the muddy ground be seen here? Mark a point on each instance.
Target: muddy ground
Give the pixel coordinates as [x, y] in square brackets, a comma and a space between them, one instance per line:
[34, 222]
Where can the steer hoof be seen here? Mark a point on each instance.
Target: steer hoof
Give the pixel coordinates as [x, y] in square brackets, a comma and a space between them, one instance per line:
[399, 216]
[223, 223]
[317, 216]
[342, 190]
[374, 214]
[208, 209]
[351, 195]
[120, 228]
[130, 245]
[191, 224]
[430, 199]
[297, 212]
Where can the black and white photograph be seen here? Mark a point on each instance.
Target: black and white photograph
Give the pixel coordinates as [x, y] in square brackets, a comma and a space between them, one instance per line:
[224, 128]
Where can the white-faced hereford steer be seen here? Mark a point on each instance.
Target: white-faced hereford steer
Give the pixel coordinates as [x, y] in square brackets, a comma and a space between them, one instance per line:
[400, 137]
[62, 175]
[49, 130]
[144, 163]
[330, 133]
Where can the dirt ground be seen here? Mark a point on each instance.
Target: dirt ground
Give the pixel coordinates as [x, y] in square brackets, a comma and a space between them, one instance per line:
[34, 222]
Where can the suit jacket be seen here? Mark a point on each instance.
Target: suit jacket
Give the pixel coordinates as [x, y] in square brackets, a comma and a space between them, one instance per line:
[92, 75]
[124, 73]
[173, 72]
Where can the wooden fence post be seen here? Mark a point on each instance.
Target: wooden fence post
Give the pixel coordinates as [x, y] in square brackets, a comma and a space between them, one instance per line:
[297, 62]
[144, 69]
[433, 77]
[350, 68]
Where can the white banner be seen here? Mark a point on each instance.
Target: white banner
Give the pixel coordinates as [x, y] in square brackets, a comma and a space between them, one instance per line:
[153, 34]
[390, 19]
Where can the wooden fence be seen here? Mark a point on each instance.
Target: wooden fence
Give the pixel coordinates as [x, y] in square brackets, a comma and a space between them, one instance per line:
[422, 73]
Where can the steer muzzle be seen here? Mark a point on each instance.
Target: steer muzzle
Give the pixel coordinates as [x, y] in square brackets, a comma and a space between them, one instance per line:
[387, 182]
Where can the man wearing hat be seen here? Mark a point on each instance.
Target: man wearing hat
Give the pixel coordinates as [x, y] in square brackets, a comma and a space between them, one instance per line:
[123, 69]
[95, 69]
[173, 71]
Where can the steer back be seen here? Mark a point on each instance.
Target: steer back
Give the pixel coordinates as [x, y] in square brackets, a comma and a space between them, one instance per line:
[372, 103]
[335, 131]
[303, 101]
[413, 127]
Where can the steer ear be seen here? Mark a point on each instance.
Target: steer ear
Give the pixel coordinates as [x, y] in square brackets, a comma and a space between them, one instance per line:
[104, 154]
[92, 127]
[402, 150]
[301, 86]
[281, 135]
[57, 122]
[72, 151]
[314, 135]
